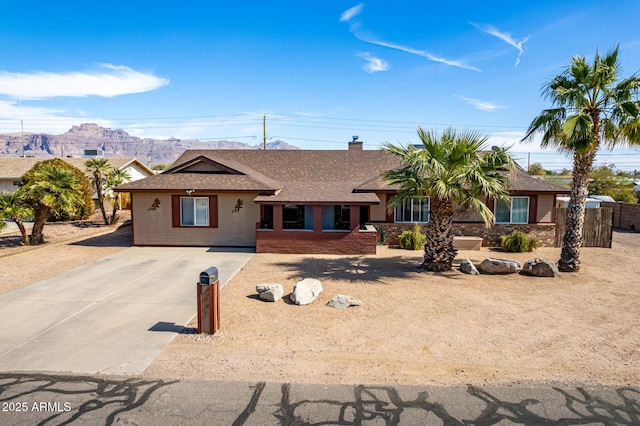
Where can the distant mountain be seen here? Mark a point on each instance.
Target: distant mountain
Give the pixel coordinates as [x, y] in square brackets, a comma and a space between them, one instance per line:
[113, 143]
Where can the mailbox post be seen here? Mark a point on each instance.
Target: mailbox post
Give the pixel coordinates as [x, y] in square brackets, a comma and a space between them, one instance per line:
[209, 301]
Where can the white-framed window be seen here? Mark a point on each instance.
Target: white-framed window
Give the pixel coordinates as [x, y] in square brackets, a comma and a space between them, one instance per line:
[194, 211]
[515, 212]
[414, 210]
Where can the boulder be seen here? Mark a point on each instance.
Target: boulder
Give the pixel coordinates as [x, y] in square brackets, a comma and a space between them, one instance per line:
[467, 267]
[491, 266]
[343, 301]
[306, 291]
[539, 268]
[270, 292]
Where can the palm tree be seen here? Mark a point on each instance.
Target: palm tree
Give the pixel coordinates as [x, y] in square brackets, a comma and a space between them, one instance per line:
[593, 106]
[115, 178]
[14, 207]
[99, 169]
[50, 189]
[452, 170]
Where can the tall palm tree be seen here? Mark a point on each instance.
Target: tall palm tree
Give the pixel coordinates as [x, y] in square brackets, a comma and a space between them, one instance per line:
[99, 169]
[452, 170]
[50, 189]
[593, 106]
[115, 178]
[14, 207]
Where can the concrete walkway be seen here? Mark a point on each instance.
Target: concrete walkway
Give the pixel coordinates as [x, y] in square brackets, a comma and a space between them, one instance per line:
[112, 316]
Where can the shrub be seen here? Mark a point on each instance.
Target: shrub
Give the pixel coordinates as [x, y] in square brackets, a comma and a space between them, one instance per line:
[413, 239]
[518, 242]
[84, 208]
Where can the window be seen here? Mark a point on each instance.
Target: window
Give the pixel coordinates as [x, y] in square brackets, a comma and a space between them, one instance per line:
[336, 217]
[515, 212]
[267, 217]
[194, 211]
[415, 210]
[295, 216]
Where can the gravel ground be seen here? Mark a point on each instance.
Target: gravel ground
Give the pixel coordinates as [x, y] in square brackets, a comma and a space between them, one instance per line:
[423, 328]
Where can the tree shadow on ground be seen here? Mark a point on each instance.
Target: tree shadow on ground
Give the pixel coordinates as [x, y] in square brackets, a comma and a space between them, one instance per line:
[119, 238]
[361, 268]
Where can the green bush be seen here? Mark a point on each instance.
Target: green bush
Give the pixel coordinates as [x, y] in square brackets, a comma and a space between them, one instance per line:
[413, 239]
[518, 242]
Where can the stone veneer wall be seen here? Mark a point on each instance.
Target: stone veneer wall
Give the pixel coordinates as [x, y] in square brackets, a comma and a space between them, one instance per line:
[544, 233]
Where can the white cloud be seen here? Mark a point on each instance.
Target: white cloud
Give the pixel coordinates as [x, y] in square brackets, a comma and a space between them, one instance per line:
[507, 38]
[351, 13]
[40, 120]
[418, 52]
[478, 104]
[374, 64]
[107, 82]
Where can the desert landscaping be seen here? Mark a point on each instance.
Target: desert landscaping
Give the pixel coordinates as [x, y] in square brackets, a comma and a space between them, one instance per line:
[412, 328]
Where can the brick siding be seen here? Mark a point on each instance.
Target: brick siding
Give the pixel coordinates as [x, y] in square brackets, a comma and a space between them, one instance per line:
[304, 242]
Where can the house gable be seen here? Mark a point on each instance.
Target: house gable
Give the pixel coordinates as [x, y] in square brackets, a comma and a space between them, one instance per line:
[203, 165]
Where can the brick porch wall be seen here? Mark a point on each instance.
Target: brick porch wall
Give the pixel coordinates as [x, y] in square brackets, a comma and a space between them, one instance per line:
[308, 242]
[544, 233]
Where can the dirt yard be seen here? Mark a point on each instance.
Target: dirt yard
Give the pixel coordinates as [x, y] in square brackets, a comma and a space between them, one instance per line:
[424, 328]
[413, 328]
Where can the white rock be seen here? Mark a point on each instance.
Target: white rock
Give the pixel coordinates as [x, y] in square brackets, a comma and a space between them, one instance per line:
[270, 292]
[306, 291]
[343, 301]
[493, 266]
[467, 267]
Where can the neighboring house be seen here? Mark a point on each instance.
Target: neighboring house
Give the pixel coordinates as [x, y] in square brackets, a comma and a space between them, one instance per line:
[592, 201]
[316, 201]
[12, 169]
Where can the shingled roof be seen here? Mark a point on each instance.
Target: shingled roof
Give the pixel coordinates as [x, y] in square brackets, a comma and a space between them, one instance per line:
[300, 176]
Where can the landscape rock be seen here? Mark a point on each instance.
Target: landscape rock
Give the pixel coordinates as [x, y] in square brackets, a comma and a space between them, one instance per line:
[539, 268]
[491, 266]
[270, 292]
[343, 301]
[306, 291]
[467, 267]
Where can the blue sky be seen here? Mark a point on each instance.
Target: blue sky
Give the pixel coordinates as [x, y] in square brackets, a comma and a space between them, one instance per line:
[320, 71]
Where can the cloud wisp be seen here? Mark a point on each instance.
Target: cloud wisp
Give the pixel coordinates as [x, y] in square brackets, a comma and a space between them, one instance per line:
[418, 52]
[373, 63]
[507, 38]
[351, 13]
[109, 81]
[478, 104]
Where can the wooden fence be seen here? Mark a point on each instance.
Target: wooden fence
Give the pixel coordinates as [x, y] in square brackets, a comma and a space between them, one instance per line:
[596, 231]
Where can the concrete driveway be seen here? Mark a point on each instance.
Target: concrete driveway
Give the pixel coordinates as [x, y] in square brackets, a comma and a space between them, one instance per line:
[111, 316]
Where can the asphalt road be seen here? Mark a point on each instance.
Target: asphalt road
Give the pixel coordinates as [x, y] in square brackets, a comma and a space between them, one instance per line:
[28, 399]
[111, 316]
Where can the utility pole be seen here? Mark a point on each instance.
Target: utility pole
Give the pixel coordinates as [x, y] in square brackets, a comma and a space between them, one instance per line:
[528, 162]
[264, 132]
[21, 127]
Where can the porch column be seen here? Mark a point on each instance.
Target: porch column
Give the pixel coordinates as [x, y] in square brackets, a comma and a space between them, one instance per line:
[354, 217]
[277, 217]
[317, 218]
